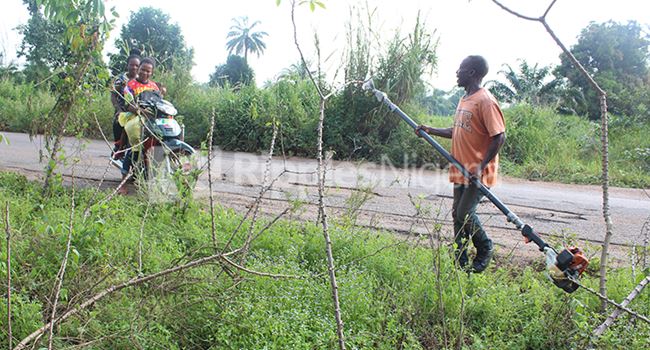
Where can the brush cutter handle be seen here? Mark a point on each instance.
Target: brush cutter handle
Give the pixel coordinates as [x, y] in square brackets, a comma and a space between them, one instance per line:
[526, 230]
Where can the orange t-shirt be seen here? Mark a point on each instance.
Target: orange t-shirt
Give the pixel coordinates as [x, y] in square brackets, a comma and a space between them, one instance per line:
[478, 118]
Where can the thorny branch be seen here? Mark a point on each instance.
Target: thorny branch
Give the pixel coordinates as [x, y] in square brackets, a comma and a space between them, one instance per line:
[8, 233]
[256, 205]
[257, 273]
[602, 96]
[114, 288]
[64, 264]
[144, 219]
[65, 105]
[606, 300]
[250, 209]
[321, 186]
[209, 144]
[633, 294]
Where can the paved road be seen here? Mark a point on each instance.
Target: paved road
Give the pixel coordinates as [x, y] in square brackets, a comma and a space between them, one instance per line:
[555, 210]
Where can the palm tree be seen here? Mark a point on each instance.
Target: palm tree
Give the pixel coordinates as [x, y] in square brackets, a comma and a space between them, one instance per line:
[242, 38]
[527, 85]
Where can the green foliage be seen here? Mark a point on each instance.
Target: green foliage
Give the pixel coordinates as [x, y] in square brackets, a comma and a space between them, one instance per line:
[43, 44]
[23, 107]
[440, 102]
[149, 29]
[242, 38]
[356, 126]
[616, 55]
[234, 72]
[543, 145]
[388, 290]
[529, 85]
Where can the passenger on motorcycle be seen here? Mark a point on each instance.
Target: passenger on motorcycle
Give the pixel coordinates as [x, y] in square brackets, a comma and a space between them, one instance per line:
[117, 97]
[131, 119]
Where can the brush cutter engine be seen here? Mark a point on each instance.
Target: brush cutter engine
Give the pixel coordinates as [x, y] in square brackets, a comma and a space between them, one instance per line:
[565, 269]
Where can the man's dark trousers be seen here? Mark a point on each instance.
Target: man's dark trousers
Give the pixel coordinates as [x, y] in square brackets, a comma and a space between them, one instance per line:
[467, 223]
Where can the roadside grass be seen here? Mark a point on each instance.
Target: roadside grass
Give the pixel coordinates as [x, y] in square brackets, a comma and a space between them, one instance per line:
[545, 146]
[390, 294]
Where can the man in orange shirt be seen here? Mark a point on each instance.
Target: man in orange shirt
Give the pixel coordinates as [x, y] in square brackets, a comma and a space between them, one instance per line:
[476, 137]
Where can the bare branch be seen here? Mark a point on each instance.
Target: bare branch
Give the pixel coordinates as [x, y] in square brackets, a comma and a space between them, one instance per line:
[256, 204]
[99, 127]
[213, 227]
[8, 232]
[114, 288]
[256, 273]
[144, 219]
[302, 57]
[112, 194]
[517, 13]
[610, 320]
[606, 300]
[64, 264]
[271, 223]
[548, 9]
[321, 186]
[604, 137]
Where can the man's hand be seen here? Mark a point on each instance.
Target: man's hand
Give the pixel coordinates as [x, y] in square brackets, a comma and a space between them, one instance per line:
[423, 128]
[476, 173]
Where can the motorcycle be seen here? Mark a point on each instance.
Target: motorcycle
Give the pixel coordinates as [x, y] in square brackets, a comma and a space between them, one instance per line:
[163, 152]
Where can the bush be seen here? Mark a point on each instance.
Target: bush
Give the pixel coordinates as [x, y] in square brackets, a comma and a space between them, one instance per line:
[22, 106]
[544, 145]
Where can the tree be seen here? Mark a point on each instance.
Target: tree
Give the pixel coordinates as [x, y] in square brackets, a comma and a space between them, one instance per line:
[7, 69]
[150, 31]
[242, 38]
[235, 72]
[43, 44]
[616, 55]
[441, 102]
[528, 85]
[295, 72]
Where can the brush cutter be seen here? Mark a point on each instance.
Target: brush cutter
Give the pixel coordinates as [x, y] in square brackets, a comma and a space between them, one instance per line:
[564, 269]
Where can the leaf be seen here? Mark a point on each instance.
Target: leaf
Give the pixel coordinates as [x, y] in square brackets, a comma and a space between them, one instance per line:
[75, 255]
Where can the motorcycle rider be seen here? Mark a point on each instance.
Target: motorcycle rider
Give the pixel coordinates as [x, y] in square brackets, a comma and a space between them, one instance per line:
[117, 97]
[131, 119]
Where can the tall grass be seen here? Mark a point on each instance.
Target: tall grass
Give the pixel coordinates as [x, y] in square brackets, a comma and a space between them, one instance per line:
[22, 106]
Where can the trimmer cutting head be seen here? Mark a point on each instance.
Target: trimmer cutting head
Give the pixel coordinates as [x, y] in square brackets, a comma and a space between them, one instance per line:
[565, 269]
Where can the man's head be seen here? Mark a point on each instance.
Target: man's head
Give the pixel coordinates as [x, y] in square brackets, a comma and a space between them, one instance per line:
[132, 65]
[146, 69]
[471, 71]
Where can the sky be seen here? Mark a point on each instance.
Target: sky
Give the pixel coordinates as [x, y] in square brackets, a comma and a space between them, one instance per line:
[462, 27]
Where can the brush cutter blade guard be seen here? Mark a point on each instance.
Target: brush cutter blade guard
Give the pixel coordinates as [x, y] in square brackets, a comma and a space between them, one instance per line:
[564, 269]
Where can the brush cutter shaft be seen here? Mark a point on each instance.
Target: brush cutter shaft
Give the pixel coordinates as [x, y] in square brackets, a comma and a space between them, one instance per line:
[526, 230]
